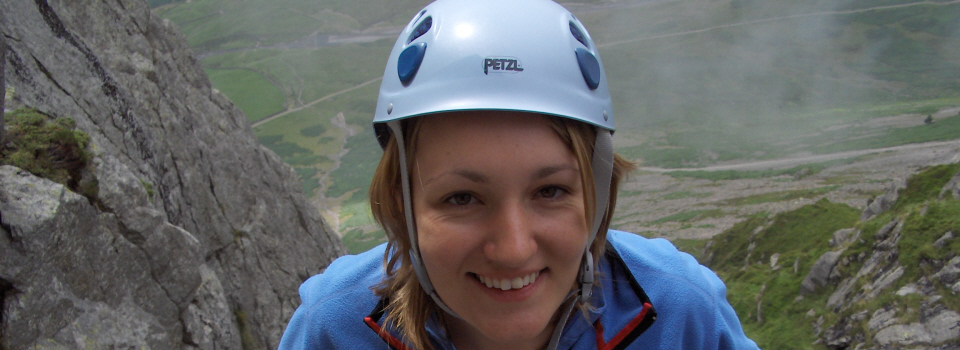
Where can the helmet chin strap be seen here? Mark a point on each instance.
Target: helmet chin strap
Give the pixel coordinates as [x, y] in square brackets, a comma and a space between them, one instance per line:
[415, 258]
[602, 164]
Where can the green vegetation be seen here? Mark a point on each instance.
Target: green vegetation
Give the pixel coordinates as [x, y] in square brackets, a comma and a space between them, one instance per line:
[218, 25]
[691, 215]
[741, 256]
[691, 246]
[941, 130]
[266, 81]
[247, 340]
[926, 185]
[685, 194]
[358, 241]
[800, 235]
[779, 196]
[148, 186]
[255, 95]
[46, 147]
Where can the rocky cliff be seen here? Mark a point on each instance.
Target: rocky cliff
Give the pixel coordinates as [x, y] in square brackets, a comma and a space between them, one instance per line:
[193, 237]
[881, 303]
[831, 276]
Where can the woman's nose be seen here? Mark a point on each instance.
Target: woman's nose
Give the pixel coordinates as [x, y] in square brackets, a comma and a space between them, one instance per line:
[511, 241]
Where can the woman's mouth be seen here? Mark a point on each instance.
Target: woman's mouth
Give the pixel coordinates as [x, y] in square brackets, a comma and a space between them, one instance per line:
[508, 284]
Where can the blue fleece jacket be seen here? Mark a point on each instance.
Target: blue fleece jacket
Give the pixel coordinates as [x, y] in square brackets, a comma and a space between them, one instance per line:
[650, 296]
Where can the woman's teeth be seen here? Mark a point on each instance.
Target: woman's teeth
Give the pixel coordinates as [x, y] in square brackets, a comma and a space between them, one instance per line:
[508, 284]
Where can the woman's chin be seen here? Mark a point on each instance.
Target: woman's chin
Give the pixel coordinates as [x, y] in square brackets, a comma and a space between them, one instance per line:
[521, 332]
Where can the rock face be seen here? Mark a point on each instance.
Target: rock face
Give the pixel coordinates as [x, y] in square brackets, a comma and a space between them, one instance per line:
[935, 326]
[198, 236]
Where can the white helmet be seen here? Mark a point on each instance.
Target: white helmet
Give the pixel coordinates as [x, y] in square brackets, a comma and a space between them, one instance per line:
[529, 55]
[512, 55]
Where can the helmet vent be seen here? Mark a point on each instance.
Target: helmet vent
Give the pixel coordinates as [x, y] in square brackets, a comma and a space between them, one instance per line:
[408, 63]
[422, 29]
[578, 34]
[589, 67]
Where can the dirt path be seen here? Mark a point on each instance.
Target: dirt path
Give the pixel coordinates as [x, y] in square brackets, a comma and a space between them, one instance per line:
[311, 103]
[795, 161]
[766, 20]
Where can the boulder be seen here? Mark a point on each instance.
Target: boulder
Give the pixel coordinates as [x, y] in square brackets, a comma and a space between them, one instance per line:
[952, 188]
[885, 201]
[820, 272]
[844, 236]
[937, 330]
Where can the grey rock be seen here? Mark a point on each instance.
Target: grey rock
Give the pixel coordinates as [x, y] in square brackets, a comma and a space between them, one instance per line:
[73, 272]
[888, 238]
[907, 290]
[3, 88]
[943, 240]
[842, 335]
[884, 281]
[884, 202]
[882, 318]
[844, 236]
[885, 231]
[951, 188]
[208, 321]
[183, 186]
[911, 334]
[838, 298]
[950, 273]
[820, 272]
[942, 328]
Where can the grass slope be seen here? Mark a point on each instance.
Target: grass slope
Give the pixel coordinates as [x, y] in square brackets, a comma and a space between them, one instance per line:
[766, 297]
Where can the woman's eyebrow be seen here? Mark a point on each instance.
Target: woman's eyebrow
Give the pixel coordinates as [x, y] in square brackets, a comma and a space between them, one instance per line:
[550, 170]
[468, 174]
[481, 178]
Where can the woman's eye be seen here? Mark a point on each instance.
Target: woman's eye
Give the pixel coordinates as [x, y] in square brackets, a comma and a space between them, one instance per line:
[461, 199]
[550, 192]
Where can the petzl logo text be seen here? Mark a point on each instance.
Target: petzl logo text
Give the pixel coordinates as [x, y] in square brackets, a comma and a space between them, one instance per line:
[501, 65]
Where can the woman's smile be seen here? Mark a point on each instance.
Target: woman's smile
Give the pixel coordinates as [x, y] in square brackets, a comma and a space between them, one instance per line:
[508, 283]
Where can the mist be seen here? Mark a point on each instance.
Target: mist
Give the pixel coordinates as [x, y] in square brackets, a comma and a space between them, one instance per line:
[738, 78]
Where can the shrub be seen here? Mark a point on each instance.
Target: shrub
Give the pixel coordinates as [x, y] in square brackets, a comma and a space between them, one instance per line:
[46, 147]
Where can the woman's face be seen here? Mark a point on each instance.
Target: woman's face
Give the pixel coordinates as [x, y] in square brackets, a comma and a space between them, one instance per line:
[498, 204]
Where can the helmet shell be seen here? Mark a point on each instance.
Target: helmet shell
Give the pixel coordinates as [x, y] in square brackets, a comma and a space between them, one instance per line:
[460, 55]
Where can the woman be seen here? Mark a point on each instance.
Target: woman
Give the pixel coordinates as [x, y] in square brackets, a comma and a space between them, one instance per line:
[496, 188]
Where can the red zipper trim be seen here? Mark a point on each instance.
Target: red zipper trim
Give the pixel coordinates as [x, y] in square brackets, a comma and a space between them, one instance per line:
[393, 342]
[633, 324]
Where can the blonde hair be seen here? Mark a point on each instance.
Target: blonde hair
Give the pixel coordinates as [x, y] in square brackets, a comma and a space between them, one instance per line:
[408, 305]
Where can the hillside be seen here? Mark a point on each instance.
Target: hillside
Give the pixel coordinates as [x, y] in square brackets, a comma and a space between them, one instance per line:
[695, 83]
[829, 276]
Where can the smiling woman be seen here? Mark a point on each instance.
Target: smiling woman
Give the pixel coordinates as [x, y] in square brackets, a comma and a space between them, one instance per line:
[496, 188]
